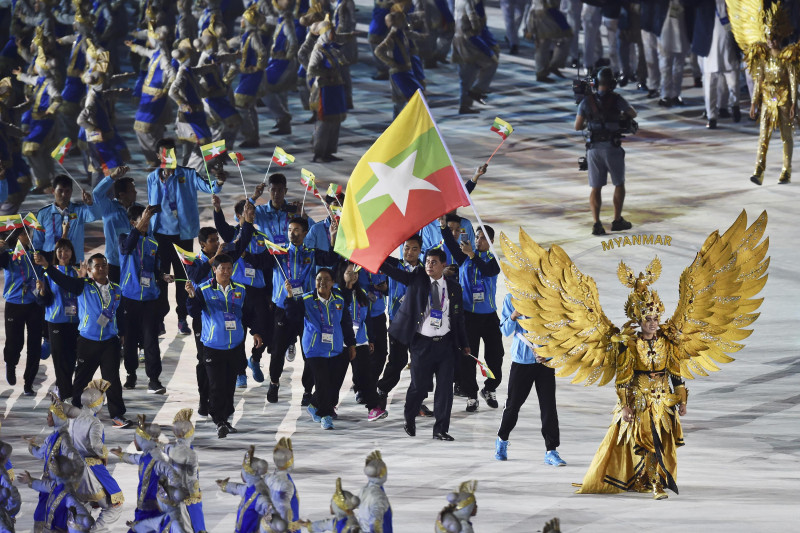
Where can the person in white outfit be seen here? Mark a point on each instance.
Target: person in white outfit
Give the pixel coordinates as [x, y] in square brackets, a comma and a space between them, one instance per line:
[673, 47]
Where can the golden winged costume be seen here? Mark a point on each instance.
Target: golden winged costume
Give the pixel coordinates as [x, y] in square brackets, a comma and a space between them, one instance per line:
[563, 315]
[760, 34]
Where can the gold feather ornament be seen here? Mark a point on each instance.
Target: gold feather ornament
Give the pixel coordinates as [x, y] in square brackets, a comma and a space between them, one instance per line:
[562, 311]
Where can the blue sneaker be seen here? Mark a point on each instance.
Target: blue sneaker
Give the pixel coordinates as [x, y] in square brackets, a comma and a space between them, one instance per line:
[327, 422]
[552, 458]
[255, 367]
[501, 449]
[45, 350]
[241, 381]
[313, 412]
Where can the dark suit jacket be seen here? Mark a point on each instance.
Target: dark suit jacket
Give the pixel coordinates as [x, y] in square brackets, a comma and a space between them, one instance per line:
[411, 312]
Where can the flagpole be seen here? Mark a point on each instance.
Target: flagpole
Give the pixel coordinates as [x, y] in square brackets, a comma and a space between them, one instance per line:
[268, 167]
[496, 149]
[461, 181]
[70, 175]
[242, 176]
[302, 207]
[182, 263]
[279, 266]
[31, 262]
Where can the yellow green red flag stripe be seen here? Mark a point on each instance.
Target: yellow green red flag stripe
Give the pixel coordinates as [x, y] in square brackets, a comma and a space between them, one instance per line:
[403, 182]
[502, 128]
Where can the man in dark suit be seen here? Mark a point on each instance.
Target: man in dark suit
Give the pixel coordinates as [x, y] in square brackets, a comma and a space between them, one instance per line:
[431, 323]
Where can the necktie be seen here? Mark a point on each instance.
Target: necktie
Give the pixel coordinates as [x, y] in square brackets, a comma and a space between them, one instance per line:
[435, 303]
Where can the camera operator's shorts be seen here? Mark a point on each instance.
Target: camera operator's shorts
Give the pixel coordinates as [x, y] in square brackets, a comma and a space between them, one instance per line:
[604, 159]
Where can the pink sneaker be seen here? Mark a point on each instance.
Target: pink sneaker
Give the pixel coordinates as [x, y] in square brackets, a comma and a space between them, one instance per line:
[376, 414]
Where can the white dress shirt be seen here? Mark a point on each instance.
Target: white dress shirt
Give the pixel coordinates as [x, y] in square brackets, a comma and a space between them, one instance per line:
[425, 327]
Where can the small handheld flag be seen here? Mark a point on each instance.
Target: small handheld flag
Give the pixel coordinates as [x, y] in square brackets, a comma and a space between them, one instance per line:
[19, 251]
[281, 158]
[186, 257]
[61, 150]
[168, 159]
[10, 222]
[273, 248]
[334, 190]
[502, 128]
[485, 372]
[212, 150]
[308, 179]
[237, 158]
[31, 222]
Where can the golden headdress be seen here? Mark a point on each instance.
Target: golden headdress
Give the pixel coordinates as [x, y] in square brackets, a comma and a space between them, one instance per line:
[324, 25]
[96, 389]
[282, 454]
[374, 466]
[468, 488]
[99, 58]
[84, 17]
[253, 465]
[57, 408]
[343, 499]
[182, 425]
[6, 89]
[252, 15]
[147, 431]
[776, 22]
[642, 301]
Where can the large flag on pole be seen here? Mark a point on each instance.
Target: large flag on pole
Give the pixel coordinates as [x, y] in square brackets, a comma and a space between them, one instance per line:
[403, 182]
[10, 222]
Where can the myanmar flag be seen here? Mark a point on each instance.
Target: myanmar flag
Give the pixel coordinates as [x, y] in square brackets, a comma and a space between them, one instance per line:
[31, 221]
[273, 248]
[10, 222]
[61, 150]
[19, 251]
[403, 182]
[280, 157]
[168, 159]
[307, 178]
[212, 150]
[502, 128]
[236, 157]
[187, 258]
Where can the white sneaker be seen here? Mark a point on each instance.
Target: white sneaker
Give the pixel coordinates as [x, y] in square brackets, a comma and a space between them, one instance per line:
[290, 353]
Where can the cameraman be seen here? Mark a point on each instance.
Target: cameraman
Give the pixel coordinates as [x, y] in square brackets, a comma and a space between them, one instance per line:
[602, 112]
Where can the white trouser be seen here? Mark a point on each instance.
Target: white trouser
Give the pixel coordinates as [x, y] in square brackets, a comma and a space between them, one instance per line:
[720, 89]
[650, 43]
[591, 18]
[671, 65]
[572, 10]
[612, 42]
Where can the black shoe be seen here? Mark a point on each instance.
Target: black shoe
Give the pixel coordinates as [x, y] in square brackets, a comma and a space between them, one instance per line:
[281, 130]
[737, 113]
[155, 387]
[306, 401]
[130, 382]
[27, 390]
[678, 100]
[490, 398]
[202, 411]
[380, 76]
[312, 119]
[477, 96]
[557, 73]
[758, 180]
[642, 87]
[544, 78]
[332, 157]
[514, 50]
[249, 144]
[598, 229]
[411, 428]
[464, 110]
[231, 429]
[665, 102]
[712, 124]
[621, 225]
[724, 113]
[622, 80]
[11, 374]
[222, 431]
[443, 436]
[272, 394]
[472, 405]
[424, 411]
[653, 93]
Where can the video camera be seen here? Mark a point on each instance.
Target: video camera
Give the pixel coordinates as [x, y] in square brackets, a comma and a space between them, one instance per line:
[582, 87]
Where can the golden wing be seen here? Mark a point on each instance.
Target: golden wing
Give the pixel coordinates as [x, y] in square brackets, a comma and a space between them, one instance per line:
[747, 21]
[716, 296]
[562, 309]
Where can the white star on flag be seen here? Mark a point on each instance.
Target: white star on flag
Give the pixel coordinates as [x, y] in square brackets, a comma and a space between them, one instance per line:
[282, 159]
[168, 160]
[503, 129]
[214, 152]
[397, 182]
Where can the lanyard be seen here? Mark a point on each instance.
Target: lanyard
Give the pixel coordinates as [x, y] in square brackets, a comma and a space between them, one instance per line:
[327, 311]
[279, 230]
[58, 229]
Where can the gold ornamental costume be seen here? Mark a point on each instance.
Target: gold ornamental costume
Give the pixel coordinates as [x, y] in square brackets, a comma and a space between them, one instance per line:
[759, 34]
[716, 302]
